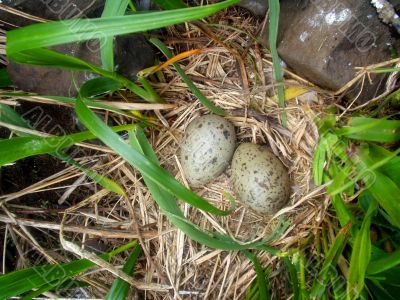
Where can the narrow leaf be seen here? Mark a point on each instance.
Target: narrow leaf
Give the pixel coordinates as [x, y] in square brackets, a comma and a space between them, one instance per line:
[274, 11]
[112, 8]
[120, 288]
[68, 31]
[330, 262]
[8, 115]
[319, 161]
[207, 103]
[21, 281]
[99, 86]
[360, 256]
[170, 4]
[26, 146]
[389, 261]
[262, 284]
[374, 130]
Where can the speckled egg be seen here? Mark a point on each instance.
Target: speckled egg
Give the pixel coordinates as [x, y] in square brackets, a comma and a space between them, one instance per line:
[207, 148]
[260, 180]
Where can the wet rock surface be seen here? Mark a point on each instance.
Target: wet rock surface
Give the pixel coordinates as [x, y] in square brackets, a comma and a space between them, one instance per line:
[49, 9]
[324, 40]
[256, 7]
[132, 54]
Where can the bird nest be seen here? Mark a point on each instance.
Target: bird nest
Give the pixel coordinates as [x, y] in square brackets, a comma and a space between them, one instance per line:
[236, 74]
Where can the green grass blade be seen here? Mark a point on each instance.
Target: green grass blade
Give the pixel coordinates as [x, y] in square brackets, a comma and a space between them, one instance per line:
[112, 8]
[382, 188]
[21, 281]
[343, 213]
[293, 278]
[5, 80]
[43, 289]
[167, 203]
[319, 161]
[274, 11]
[384, 70]
[360, 256]
[99, 86]
[74, 30]
[170, 4]
[150, 90]
[391, 168]
[373, 130]
[105, 182]
[262, 284]
[45, 57]
[366, 170]
[203, 99]
[390, 260]
[8, 115]
[120, 288]
[330, 262]
[26, 146]
[140, 162]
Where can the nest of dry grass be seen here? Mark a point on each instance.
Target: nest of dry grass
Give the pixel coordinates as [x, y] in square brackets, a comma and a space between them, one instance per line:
[235, 74]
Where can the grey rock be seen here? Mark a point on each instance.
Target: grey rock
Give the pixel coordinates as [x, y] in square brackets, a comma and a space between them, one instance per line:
[132, 54]
[256, 7]
[324, 40]
[49, 9]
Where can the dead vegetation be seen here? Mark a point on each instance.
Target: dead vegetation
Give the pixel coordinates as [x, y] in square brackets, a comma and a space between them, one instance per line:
[236, 74]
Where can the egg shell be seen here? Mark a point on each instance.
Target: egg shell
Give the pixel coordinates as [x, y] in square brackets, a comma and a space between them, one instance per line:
[260, 180]
[207, 148]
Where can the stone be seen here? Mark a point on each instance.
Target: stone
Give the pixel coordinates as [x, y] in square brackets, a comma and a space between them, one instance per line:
[256, 7]
[48, 9]
[132, 54]
[324, 41]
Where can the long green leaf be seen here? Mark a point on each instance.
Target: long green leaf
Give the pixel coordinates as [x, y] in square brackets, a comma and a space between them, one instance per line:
[293, 278]
[45, 57]
[68, 31]
[382, 188]
[26, 146]
[99, 86]
[170, 4]
[390, 260]
[195, 90]
[360, 256]
[262, 284]
[5, 80]
[112, 8]
[330, 262]
[22, 281]
[374, 130]
[274, 11]
[120, 288]
[319, 161]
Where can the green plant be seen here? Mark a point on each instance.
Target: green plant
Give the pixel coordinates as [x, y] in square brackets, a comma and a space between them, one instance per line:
[34, 281]
[349, 159]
